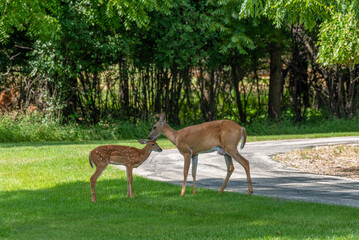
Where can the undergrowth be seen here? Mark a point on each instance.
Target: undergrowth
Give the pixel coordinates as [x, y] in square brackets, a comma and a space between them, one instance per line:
[37, 129]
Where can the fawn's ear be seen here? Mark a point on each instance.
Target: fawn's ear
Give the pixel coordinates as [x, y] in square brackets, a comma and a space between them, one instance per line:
[163, 117]
[142, 141]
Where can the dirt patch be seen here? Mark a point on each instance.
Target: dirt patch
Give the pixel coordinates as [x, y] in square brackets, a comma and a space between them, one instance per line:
[340, 160]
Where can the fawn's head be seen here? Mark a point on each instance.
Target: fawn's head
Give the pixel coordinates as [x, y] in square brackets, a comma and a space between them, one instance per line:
[151, 144]
[157, 129]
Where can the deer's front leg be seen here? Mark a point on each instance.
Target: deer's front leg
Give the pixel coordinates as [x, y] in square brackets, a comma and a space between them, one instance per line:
[129, 181]
[187, 161]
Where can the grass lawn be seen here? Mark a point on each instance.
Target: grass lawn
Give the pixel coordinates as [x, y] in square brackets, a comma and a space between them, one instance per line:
[45, 194]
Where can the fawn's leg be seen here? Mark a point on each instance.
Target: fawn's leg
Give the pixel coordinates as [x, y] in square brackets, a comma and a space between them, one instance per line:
[93, 179]
[129, 181]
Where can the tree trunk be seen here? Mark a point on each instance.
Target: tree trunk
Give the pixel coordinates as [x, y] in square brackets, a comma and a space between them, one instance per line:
[237, 77]
[275, 82]
[298, 82]
[124, 89]
[69, 94]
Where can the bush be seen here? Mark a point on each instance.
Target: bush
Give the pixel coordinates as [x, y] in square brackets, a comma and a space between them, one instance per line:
[287, 126]
[38, 129]
[35, 129]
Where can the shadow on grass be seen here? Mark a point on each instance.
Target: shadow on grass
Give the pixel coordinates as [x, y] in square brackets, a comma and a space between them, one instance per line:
[66, 210]
[306, 187]
[158, 212]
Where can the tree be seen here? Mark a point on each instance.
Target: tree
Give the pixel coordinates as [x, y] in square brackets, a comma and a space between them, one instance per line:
[71, 42]
[275, 83]
[333, 49]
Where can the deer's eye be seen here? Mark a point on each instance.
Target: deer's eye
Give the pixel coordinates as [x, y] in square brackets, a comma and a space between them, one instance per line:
[154, 127]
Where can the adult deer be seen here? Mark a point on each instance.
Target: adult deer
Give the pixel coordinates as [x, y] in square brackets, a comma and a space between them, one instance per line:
[222, 136]
[130, 157]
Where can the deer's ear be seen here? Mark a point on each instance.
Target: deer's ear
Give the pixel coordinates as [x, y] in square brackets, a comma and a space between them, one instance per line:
[163, 117]
[142, 141]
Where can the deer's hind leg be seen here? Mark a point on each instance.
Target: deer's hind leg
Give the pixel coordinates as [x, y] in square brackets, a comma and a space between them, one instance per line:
[230, 169]
[194, 171]
[245, 164]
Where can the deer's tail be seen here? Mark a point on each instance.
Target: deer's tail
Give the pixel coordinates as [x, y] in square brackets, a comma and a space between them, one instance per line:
[90, 161]
[243, 137]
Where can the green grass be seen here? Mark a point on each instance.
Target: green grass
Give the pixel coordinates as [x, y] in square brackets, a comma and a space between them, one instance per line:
[45, 194]
[300, 136]
[37, 129]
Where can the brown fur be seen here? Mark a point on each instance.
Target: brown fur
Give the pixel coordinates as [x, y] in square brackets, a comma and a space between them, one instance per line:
[222, 136]
[8, 99]
[130, 157]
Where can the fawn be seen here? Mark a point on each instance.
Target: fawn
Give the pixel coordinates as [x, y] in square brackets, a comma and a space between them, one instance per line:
[120, 155]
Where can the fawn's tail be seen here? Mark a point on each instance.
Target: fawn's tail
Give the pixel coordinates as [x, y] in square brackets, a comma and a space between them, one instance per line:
[90, 161]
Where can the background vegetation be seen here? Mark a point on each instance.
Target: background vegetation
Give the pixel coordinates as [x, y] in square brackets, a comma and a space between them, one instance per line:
[93, 61]
[36, 129]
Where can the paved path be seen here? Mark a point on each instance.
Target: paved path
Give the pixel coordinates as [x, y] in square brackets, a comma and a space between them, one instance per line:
[270, 178]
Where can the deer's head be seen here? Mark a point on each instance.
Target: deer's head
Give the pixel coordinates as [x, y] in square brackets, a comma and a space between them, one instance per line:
[157, 129]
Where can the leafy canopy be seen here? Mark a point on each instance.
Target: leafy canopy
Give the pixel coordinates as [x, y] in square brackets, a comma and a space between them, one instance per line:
[40, 18]
[337, 22]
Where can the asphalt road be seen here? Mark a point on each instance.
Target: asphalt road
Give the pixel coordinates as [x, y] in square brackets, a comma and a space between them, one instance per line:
[269, 178]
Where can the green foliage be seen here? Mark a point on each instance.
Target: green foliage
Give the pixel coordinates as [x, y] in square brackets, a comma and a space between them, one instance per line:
[38, 129]
[232, 31]
[317, 125]
[336, 20]
[33, 16]
[96, 59]
[174, 39]
[338, 40]
[41, 19]
[308, 13]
